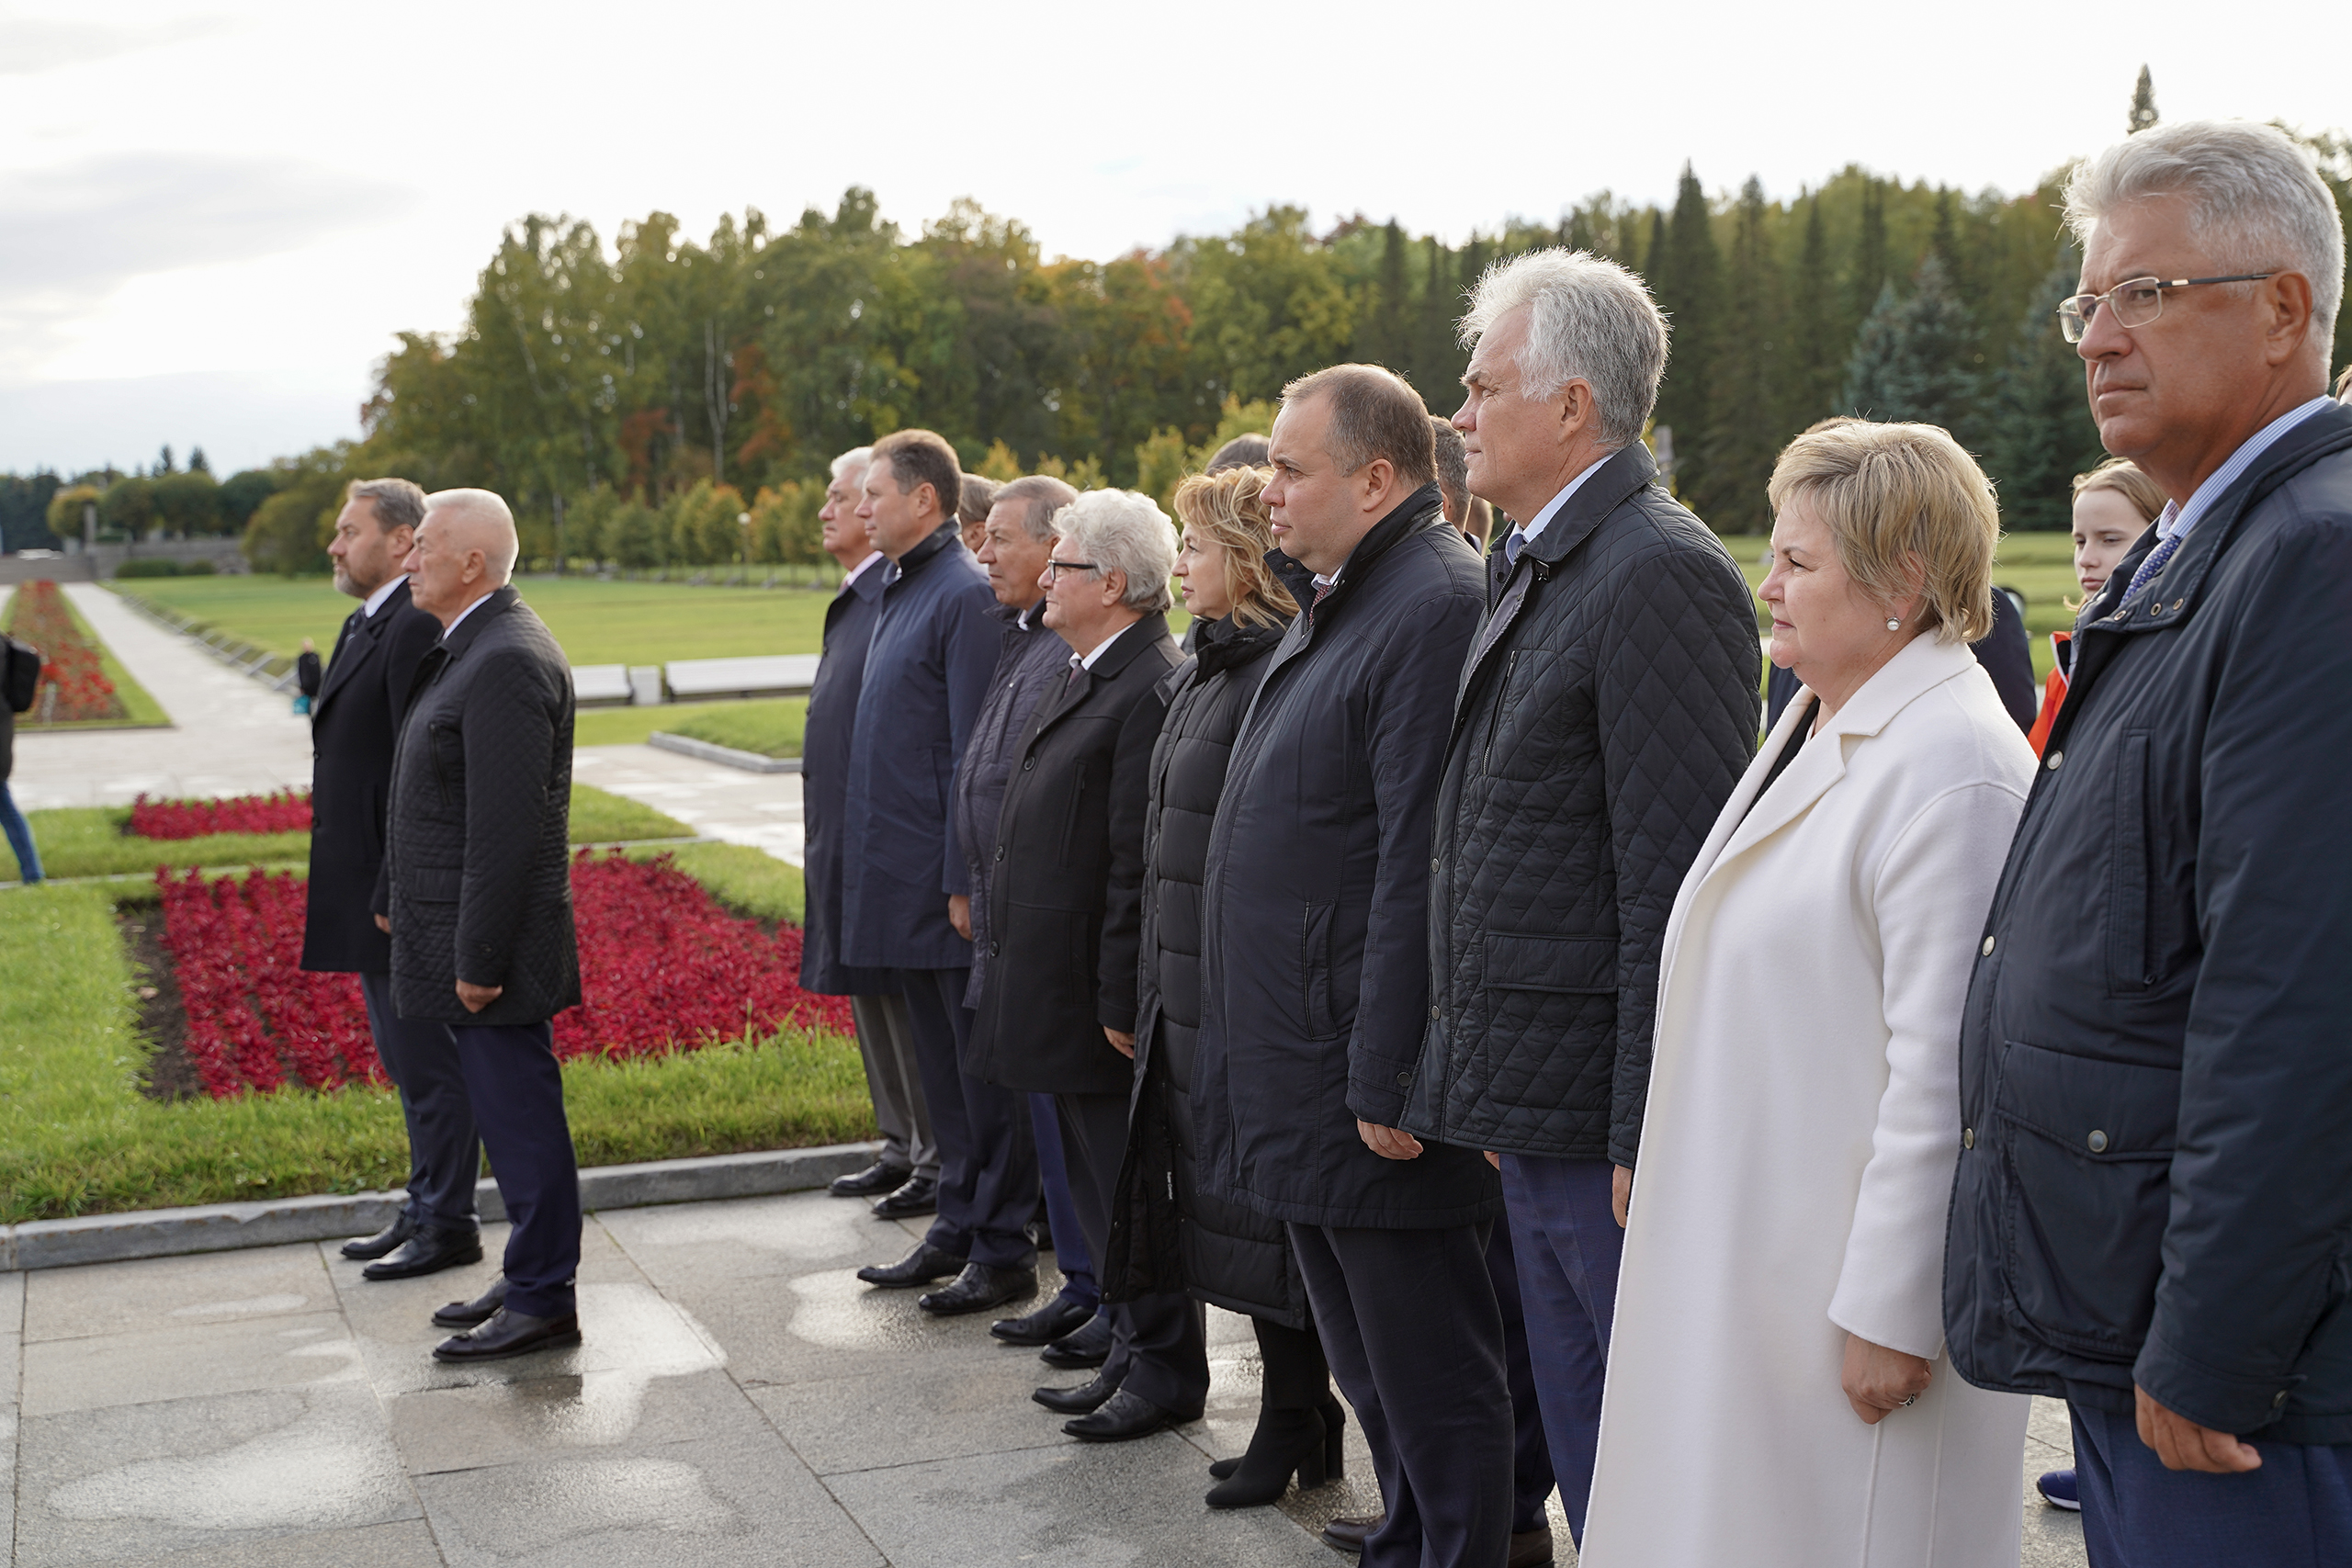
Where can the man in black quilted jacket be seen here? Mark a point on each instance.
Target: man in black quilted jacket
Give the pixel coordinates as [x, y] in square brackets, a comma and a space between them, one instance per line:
[1608, 705]
[477, 896]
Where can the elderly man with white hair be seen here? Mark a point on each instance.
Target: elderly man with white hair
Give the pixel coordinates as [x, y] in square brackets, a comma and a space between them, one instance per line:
[477, 896]
[1065, 922]
[2154, 1185]
[1608, 706]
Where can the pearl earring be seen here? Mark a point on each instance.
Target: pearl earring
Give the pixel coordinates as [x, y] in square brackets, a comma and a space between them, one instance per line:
[1893, 625]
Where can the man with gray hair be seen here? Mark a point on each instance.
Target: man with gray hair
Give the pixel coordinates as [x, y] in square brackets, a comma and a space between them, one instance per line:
[1606, 710]
[2155, 1184]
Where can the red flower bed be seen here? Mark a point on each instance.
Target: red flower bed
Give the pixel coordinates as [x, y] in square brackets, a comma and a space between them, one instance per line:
[74, 684]
[285, 812]
[662, 968]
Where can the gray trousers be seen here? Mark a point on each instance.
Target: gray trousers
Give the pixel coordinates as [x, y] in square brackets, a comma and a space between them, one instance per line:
[444, 1150]
[886, 1040]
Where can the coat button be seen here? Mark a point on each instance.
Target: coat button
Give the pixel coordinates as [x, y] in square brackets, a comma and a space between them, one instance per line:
[2052, 761]
[999, 852]
[1403, 1080]
[2280, 1401]
[2098, 1141]
[1987, 949]
[995, 948]
[1028, 764]
[1433, 865]
[1433, 1013]
[1968, 1138]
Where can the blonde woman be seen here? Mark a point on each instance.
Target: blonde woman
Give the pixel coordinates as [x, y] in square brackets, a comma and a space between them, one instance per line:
[1777, 1389]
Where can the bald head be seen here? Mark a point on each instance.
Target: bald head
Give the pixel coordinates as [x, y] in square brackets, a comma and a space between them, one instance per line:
[465, 550]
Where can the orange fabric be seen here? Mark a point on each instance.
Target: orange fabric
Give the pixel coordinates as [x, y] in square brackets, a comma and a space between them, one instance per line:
[2053, 692]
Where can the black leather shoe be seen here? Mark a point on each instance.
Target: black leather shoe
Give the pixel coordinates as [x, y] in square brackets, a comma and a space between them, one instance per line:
[1347, 1535]
[920, 1267]
[1088, 1344]
[1082, 1400]
[373, 1247]
[1530, 1549]
[427, 1252]
[979, 1287]
[1057, 1318]
[879, 1176]
[509, 1334]
[919, 1195]
[1123, 1418]
[465, 1315]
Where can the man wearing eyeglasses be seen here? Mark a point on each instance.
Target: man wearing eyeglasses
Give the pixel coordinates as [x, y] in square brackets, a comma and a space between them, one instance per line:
[2153, 1217]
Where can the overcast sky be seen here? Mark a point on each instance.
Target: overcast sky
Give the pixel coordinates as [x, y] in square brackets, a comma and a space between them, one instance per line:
[213, 217]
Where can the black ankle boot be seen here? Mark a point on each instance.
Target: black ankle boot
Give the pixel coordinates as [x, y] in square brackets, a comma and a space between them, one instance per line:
[1284, 1442]
[1335, 1447]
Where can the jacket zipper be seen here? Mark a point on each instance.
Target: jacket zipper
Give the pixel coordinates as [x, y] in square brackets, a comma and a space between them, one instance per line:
[1494, 719]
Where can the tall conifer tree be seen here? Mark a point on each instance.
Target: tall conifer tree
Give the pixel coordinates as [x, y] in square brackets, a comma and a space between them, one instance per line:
[2143, 103]
[1745, 394]
[1912, 360]
[1816, 355]
[1688, 279]
[2040, 430]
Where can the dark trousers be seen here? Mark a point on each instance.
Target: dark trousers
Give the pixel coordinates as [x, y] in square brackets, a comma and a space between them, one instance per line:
[988, 1158]
[893, 1083]
[444, 1151]
[1409, 1322]
[1069, 1236]
[1158, 1342]
[1531, 1456]
[1567, 1242]
[2294, 1512]
[517, 1094]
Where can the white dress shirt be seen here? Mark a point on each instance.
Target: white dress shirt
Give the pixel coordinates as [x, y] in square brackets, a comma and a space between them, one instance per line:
[376, 599]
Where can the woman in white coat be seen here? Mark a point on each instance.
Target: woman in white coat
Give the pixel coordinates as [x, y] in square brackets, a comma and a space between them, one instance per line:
[1777, 1390]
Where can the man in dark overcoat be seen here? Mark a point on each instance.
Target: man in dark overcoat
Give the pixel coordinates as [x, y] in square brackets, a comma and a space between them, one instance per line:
[1315, 964]
[356, 713]
[904, 1180]
[477, 897]
[1066, 920]
[2152, 1211]
[905, 889]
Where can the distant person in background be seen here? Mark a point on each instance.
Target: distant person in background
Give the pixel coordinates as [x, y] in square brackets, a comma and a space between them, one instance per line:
[1474, 516]
[2114, 504]
[905, 889]
[1014, 547]
[1241, 452]
[19, 831]
[974, 498]
[904, 1180]
[355, 715]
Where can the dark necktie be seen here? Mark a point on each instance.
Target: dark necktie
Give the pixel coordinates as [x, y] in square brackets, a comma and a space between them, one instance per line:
[2153, 565]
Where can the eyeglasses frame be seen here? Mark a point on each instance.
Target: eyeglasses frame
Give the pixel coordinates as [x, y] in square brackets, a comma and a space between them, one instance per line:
[2069, 311]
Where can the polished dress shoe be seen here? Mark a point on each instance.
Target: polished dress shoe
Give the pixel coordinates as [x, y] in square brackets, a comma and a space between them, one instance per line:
[1088, 1344]
[919, 1195]
[879, 1176]
[1079, 1401]
[365, 1247]
[509, 1334]
[1530, 1549]
[979, 1287]
[1057, 1317]
[427, 1252]
[920, 1267]
[1123, 1418]
[1347, 1535]
[465, 1315]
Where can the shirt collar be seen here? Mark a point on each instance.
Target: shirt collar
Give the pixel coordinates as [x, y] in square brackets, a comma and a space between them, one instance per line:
[1527, 531]
[859, 570]
[2178, 519]
[383, 591]
[448, 630]
[1027, 619]
[1100, 647]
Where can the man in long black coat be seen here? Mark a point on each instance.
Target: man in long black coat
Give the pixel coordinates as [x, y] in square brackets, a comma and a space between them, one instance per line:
[1066, 917]
[356, 713]
[1316, 974]
[477, 896]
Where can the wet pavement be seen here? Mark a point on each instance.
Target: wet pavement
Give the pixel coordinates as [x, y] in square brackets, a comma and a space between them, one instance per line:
[761, 810]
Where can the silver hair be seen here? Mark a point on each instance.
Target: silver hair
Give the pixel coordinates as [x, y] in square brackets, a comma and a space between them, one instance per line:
[1042, 497]
[856, 458]
[398, 503]
[1119, 530]
[1590, 318]
[489, 508]
[2255, 200]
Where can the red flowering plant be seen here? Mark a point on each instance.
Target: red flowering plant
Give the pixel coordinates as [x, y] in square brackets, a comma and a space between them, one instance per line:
[74, 684]
[285, 812]
[662, 968]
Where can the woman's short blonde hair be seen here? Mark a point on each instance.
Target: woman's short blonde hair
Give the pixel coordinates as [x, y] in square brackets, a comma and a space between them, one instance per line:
[1228, 508]
[1901, 501]
[2126, 479]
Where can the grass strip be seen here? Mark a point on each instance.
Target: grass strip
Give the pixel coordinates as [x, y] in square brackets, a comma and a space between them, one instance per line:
[766, 728]
[140, 710]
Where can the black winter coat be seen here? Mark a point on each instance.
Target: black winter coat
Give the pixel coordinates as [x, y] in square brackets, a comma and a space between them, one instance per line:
[1608, 707]
[1031, 659]
[356, 713]
[824, 786]
[1314, 969]
[1066, 876]
[479, 866]
[2154, 1180]
[1166, 1232]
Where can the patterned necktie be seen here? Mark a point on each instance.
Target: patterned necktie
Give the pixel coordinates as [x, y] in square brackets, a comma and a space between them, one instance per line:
[2153, 565]
[1513, 542]
[1076, 670]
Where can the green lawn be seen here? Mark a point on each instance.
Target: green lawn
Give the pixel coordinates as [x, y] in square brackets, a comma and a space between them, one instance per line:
[138, 708]
[767, 721]
[77, 1137]
[597, 623]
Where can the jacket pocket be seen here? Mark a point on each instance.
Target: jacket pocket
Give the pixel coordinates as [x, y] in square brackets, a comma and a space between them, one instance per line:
[2087, 1148]
[1570, 965]
[1073, 810]
[444, 738]
[434, 884]
[1315, 971]
[2128, 963]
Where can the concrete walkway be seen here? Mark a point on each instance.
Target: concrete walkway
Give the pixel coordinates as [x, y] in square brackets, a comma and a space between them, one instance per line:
[759, 809]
